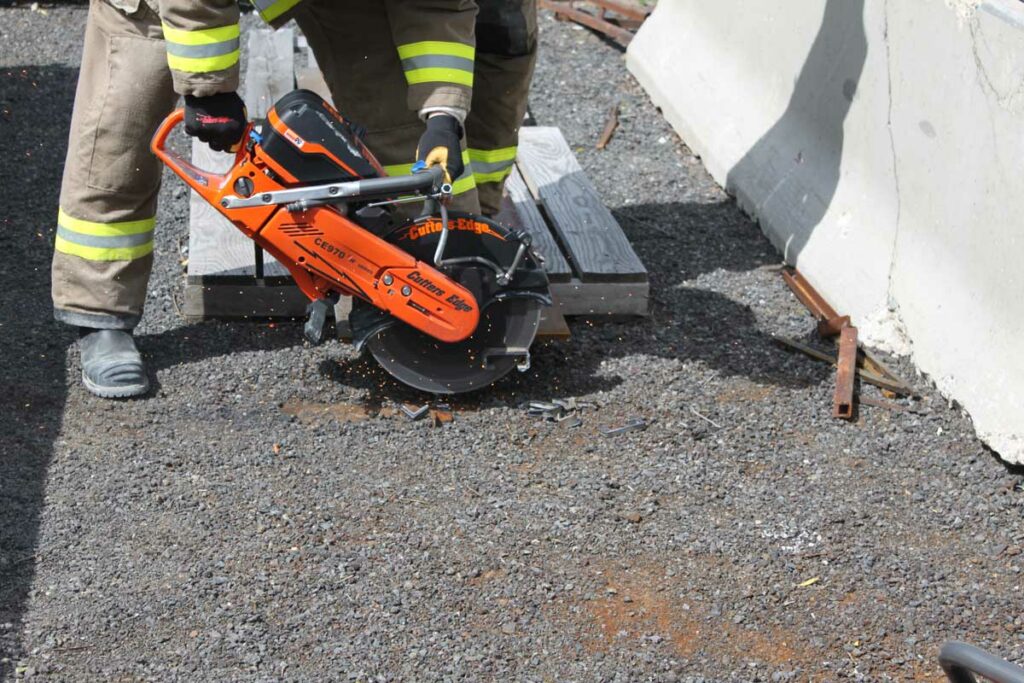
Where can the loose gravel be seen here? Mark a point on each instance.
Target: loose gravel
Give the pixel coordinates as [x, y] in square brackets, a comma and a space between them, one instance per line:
[268, 514]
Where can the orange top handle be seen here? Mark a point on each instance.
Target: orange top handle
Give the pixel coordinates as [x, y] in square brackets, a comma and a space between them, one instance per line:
[203, 182]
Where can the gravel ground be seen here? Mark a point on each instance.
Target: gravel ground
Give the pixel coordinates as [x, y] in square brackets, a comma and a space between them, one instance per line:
[266, 515]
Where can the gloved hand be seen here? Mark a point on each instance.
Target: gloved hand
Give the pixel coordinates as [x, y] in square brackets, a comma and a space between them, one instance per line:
[440, 144]
[218, 120]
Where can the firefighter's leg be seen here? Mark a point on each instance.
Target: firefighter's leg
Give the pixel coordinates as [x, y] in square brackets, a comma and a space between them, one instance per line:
[506, 51]
[353, 46]
[104, 239]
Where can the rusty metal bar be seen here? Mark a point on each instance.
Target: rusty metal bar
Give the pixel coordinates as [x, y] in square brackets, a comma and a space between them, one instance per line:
[842, 403]
[626, 9]
[830, 323]
[865, 375]
[616, 33]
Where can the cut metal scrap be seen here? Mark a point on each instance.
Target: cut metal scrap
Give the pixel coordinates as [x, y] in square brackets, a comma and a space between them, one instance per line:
[637, 424]
[414, 414]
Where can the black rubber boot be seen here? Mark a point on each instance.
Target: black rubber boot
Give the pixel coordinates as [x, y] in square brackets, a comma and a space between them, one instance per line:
[111, 365]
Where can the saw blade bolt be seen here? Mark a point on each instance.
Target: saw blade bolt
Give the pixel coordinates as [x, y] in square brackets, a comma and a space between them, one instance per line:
[387, 279]
[406, 290]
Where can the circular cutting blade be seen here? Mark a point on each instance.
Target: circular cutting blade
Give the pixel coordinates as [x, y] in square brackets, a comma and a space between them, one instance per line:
[509, 315]
[425, 363]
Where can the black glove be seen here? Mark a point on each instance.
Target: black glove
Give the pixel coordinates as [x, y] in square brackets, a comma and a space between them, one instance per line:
[440, 144]
[218, 120]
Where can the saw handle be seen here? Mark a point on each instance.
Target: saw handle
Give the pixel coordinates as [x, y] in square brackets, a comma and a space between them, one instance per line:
[203, 182]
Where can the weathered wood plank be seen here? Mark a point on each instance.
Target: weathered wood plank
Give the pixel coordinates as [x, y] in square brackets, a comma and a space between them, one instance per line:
[214, 245]
[270, 69]
[520, 210]
[594, 299]
[598, 249]
[252, 300]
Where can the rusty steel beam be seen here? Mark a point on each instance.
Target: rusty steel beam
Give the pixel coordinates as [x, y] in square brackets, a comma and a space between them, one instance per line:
[830, 323]
[626, 9]
[865, 375]
[566, 9]
[842, 403]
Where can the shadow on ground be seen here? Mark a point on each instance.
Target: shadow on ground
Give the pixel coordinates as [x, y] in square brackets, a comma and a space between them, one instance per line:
[33, 372]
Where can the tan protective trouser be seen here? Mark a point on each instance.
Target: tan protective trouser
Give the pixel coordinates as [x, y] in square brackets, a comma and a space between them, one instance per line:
[104, 244]
[506, 52]
[352, 43]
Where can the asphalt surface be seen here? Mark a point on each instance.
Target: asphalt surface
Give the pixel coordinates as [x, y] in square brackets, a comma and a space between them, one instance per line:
[268, 515]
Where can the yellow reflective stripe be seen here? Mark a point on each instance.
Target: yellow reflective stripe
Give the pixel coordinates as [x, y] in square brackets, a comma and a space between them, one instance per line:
[464, 184]
[436, 47]
[275, 10]
[438, 75]
[494, 177]
[101, 253]
[398, 169]
[492, 155]
[105, 229]
[202, 36]
[406, 169]
[202, 65]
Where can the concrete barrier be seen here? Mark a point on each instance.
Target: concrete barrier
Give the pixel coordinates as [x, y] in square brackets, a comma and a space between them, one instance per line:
[880, 145]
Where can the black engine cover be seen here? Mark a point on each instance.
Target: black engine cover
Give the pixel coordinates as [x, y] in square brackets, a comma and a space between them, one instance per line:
[310, 142]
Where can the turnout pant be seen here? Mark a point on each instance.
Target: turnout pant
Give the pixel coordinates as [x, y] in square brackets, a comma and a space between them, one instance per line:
[506, 52]
[104, 245]
[351, 42]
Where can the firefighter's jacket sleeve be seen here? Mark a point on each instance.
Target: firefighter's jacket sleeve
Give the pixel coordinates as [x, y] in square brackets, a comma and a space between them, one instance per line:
[436, 44]
[202, 38]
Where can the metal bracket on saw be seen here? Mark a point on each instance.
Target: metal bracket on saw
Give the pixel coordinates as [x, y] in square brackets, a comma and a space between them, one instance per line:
[315, 325]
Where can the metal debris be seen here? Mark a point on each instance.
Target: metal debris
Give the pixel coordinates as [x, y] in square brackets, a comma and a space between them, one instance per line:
[558, 409]
[637, 424]
[615, 28]
[414, 413]
[442, 414]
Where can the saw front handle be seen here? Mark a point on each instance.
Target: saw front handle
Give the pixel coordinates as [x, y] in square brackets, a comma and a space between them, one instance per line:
[205, 183]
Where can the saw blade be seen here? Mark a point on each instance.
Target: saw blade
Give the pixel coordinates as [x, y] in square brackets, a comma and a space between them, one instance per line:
[509, 317]
[501, 341]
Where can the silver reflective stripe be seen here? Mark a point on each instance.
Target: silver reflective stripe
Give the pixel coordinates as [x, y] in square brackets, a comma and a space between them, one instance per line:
[211, 50]
[113, 242]
[492, 166]
[263, 4]
[438, 62]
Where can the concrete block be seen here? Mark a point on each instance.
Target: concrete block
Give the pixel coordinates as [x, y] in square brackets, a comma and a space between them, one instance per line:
[877, 143]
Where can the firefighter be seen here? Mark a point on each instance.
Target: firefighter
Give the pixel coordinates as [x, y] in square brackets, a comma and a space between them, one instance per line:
[140, 55]
[357, 75]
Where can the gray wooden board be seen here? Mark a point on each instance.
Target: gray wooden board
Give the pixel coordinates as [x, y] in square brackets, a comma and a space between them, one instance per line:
[595, 299]
[524, 213]
[251, 299]
[597, 248]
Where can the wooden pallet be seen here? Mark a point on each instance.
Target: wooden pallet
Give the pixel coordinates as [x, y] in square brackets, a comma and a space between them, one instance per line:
[592, 267]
